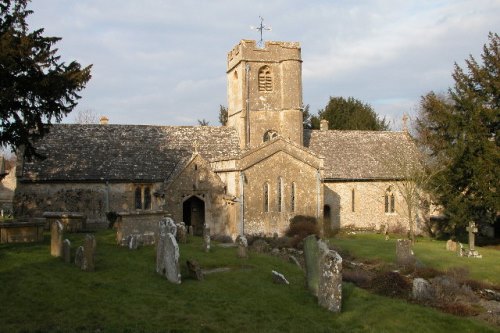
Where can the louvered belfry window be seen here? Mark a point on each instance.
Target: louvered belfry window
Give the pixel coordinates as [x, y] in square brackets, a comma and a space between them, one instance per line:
[265, 79]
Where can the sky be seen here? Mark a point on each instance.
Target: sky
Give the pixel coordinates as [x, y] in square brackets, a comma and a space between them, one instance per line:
[163, 62]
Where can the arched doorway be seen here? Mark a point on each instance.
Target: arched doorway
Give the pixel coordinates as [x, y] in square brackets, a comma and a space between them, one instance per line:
[193, 214]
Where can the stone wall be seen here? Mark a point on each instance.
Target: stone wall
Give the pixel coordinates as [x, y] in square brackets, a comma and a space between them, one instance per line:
[369, 206]
[90, 199]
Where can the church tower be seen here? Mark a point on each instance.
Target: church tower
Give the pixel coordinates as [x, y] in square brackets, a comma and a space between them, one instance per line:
[264, 90]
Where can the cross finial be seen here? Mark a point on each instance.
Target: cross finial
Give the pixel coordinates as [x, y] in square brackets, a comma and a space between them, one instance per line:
[405, 120]
[195, 146]
[261, 28]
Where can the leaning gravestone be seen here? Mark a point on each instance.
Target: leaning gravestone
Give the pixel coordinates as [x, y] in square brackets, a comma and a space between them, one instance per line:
[66, 251]
[404, 253]
[132, 242]
[89, 247]
[181, 233]
[206, 239]
[311, 257]
[451, 245]
[330, 281]
[422, 290]
[242, 246]
[167, 258]
[79, 257]
[194, 270]
[56, 234]
[279, 278]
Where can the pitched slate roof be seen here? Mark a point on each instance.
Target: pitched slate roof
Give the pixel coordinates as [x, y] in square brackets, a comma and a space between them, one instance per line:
[125, 152]
[360, 155]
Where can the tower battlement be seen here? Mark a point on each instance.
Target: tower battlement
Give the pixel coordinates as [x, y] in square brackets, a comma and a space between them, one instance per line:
[273, 51]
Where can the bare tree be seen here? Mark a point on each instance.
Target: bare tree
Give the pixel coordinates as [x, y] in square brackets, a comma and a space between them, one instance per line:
[86, 116]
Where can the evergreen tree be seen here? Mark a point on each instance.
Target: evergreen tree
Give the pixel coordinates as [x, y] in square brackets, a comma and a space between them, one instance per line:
[35, 86]
[223, 115]
[349, 114]
[460, 133]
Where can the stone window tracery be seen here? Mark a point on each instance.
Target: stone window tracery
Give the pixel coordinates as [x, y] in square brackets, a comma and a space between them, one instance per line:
[265, 79]
[389, 201]
[270, 135]
[142, 197]
[280, 194]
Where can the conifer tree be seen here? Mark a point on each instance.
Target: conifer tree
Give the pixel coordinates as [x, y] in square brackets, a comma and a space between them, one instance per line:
[460, 133]
[36, 87]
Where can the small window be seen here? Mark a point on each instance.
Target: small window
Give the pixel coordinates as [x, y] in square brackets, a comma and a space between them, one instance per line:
[265, 79]
[389, 201]
[280, 194]
[392, 203]
[352, 201]
[138, 197]
[147, 198]
[292, 197]
[266, 197]
[270, 135]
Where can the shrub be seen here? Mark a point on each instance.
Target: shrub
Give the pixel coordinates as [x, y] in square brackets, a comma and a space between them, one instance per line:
[302, 226]
[112, 217]
[426, 272]
[459, 309]
[360, 277]
[391, 284]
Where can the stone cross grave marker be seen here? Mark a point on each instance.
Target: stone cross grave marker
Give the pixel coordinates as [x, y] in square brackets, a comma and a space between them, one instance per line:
[472, 229]
[56, 234]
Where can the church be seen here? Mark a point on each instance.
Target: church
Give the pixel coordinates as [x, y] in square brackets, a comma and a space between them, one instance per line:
[250, 176]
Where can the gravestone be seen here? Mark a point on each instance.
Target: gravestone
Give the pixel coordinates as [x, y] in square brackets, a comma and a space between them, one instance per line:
[181, 233]
[242, 246]
[279, 278]
[89, 247]
[132, 242]
[167, 257]
[404, 253]
[190, 230]
[66, 251]
[79, 257]
[170, 225]
[206, 239]
[472, 229]
[330, 281]
[56, 234]
[194, 270]
[311, 257]
[451, 245]
[386, 231]
[422, 290]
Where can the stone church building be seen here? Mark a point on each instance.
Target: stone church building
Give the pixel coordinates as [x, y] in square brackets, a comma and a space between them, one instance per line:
[250, 176]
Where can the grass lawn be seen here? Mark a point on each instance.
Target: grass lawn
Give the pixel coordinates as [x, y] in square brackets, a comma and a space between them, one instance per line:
[430, 252]
[39, 293]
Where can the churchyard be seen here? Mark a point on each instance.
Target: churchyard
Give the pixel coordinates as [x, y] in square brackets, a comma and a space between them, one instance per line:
[125, 293]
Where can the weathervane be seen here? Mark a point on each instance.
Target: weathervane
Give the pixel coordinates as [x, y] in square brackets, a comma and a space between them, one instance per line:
[261, 28]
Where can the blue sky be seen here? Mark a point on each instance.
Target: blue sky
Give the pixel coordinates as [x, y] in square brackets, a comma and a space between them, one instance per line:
[163, 62]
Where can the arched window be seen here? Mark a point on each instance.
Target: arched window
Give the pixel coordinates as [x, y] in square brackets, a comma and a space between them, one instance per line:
[266, 197]
[292, 197]
[280, 194]
[265, 79]
[138, 197]
[389, 201]
[353, 195]
[269, 135]
[147, 198]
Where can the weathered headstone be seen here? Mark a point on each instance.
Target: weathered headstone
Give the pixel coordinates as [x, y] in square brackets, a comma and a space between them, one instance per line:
[190, 230]
[330, 281]
[279, 278]
[167, 257]
[386, 231]
[56, 235]
[181, 233]
[311, 257]
[404, 253]
[206, 239]
[451, 245]
[472, 229]
[422, 290]
[170, 225]
[194, 270]
[242, 246]
[79, 257]
[89, 247]
[132, 242]
[66, 251]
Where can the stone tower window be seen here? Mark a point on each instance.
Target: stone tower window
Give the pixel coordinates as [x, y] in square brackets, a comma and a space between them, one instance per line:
[265, 79]
[142, 197]
[269, 135]
[292, 197]
[266, 197]
[280, 194]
